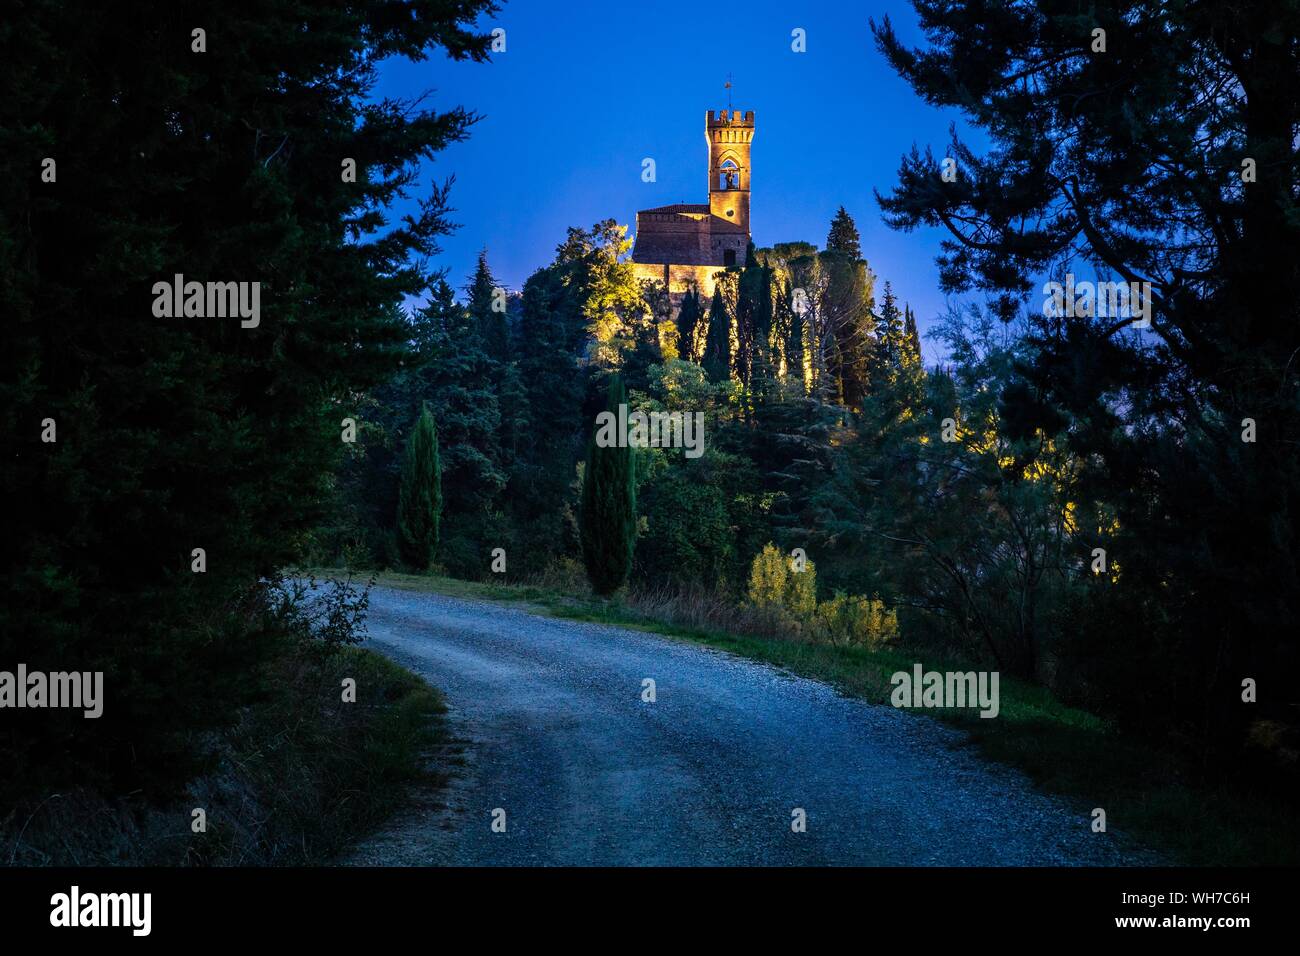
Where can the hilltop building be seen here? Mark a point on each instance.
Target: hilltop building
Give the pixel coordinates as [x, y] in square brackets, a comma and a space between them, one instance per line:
[684, 244]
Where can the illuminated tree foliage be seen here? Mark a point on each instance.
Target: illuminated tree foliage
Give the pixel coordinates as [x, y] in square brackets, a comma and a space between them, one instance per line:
[717, 343]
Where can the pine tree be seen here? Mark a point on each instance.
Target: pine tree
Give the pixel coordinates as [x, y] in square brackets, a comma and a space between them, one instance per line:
[419, 509]
[1223, 258]
[430, 323]
[609, 505]
[889, 344]
[487, 311]
[462, 385]
[647, 336]
[717, 345]
[845, 309]
[911, 353]
[843, 237]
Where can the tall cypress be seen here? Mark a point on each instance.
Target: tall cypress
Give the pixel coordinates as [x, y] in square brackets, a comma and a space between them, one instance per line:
[749, 289]
[608, 520]
[419, 507]
[764, 370]
[717, 345]
[793, 347]
[688, 320]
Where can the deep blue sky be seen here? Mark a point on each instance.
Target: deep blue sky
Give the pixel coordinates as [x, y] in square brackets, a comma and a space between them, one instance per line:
[585, 91]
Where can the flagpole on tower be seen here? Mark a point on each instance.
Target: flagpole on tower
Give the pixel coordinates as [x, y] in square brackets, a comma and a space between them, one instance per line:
[727, 87]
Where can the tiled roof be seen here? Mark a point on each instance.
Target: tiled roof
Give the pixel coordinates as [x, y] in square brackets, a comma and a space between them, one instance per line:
[680, 207]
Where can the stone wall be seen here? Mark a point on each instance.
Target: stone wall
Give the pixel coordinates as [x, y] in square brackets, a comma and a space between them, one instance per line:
[680, 278]
[672, 237]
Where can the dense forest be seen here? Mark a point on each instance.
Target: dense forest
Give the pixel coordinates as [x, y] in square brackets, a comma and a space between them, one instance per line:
[161, 474]
[954, 508]
[1105, 505]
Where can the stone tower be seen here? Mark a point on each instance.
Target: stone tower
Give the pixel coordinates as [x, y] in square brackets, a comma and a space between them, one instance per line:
[730, 135]
[686, 245]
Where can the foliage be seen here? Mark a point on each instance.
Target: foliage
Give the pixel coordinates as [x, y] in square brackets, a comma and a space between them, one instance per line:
[855, 620]
[609, 505]
[843, 237]
[419, 505]
[182, 433]
[767, 577]
[774, 581]
[717, 343]
[1170, 159]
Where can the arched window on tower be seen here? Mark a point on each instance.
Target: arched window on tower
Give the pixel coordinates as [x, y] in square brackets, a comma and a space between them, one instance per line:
[728, 175]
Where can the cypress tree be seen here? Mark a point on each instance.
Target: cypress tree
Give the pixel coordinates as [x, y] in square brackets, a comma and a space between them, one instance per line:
[609, 505]
[749, 290]
[717, 345]
[793, 347]
[688, 319]
[419, 508]
[763, 376]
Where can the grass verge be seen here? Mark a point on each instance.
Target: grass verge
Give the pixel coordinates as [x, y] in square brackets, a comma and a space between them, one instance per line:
[1070, 752]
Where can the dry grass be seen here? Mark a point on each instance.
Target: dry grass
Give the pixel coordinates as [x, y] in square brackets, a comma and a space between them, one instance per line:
[705, 611]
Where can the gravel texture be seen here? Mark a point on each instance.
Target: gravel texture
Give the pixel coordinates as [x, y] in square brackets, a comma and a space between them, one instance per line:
[556, 733]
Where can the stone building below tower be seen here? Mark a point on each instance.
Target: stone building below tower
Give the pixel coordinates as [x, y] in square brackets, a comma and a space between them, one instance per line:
[684, 244]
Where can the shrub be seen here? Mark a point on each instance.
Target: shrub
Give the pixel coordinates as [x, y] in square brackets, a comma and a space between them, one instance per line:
[852, 619]
[791, 595]
[774, 583]
[767, 578]
[801, 592]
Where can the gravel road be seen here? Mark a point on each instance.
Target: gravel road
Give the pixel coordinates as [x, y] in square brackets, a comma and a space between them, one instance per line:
[557, 735]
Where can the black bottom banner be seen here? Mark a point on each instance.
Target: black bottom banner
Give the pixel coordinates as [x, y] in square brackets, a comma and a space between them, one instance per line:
[337, 905]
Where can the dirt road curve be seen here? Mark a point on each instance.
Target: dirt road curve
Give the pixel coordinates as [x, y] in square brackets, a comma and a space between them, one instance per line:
[710, 773]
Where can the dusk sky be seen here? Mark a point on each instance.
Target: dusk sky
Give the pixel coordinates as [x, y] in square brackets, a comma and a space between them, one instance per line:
[585, 91]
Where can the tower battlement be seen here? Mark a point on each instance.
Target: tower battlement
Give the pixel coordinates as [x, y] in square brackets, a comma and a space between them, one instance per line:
[729, 118]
